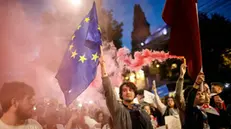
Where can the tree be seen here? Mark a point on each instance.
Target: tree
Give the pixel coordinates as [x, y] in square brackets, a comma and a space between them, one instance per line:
[215, 39]
[141, 28]
[226, 59]
[111, 29]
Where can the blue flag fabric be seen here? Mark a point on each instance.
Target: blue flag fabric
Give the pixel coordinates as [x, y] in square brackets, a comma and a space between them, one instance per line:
[79, 65]
[162, 91]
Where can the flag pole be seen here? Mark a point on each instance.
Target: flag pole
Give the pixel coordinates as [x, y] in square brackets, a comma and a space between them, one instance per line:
[199, 30]
[201, 86]
[184, 59]
[197, 12]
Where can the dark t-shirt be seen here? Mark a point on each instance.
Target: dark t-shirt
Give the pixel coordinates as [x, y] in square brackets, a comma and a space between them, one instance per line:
[139, 121]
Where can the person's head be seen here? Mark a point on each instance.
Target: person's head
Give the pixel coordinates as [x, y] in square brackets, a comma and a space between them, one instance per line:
[51, 118]
[17, 98]
[170, 102]
[199, 98]
[99, 116]
[140, 94]
[216, 87]
[147, 109]
[194, 96]
[217, 100]
[128, 91]
[84, 110]
[198, 93]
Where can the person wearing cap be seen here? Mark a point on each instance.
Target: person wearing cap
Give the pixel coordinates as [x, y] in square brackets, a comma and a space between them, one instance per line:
[216, 87]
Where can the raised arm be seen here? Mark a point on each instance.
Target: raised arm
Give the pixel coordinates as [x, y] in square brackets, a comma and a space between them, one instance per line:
[111, 100]
[70, 121]
[180, 101]
[160, 106]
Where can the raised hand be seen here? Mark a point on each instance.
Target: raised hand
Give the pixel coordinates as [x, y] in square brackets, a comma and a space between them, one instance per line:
[200, 78]
[182, 70]
[154, 86]
[206, 88]
[74, 117]
[102, 63]
[101, 59]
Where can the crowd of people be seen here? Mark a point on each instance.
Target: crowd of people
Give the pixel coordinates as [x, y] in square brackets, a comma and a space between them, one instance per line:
[19, 110]
[192, 108]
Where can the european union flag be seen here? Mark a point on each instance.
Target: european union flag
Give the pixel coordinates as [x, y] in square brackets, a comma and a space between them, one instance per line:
[79, 65]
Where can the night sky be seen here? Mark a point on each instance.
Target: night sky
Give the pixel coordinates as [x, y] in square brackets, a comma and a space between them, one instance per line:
[123, 11]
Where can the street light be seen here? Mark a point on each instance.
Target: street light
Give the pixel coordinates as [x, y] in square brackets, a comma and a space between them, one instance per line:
[34, 108]
[91, 102]
[76, 2]
[174, 66]
[157, 65]
[80, 105]
[132, 77]
[140, 74]
[164, 31]
[227, 85]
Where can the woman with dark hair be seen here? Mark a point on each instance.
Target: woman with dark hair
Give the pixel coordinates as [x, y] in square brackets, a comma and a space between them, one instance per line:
[171, 107]
[99, 116]
[169, 110]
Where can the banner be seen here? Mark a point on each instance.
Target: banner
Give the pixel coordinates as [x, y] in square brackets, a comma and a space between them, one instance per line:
[173, 122]
[162, 91]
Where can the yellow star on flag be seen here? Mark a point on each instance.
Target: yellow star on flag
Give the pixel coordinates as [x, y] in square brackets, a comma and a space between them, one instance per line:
[87, 19]
[73, 54]
[73, 37]
[94, 57]
[99, 28]
[70, 47]
[79, 26]
[82, 58]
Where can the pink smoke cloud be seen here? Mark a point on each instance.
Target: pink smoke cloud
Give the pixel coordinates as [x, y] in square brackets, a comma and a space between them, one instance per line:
[141, 58]
[32, 52]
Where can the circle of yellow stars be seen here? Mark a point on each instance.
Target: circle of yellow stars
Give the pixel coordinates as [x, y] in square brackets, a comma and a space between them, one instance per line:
[74, 53]
[82, 58]
[86, 20]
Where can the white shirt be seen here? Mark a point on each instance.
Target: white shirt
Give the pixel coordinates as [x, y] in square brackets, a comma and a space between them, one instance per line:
[106, 126]
[30, 124]
[90, 122]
